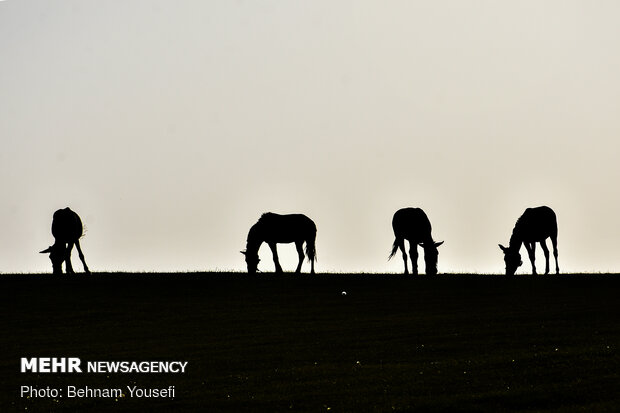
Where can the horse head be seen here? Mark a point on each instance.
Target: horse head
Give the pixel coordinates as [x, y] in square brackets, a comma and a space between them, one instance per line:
[58, 254]
[512, 258]
[430, 256]
[252, 260]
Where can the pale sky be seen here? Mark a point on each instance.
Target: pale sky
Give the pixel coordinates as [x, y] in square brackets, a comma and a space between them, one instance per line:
[170, 126]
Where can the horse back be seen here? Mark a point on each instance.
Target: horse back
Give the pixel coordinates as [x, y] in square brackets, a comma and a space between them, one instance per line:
[66, 225]
[537, 224]
[287, 228]
[411, 224]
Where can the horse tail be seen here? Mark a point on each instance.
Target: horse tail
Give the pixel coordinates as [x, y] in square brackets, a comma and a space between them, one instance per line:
[310, 243]
[311, 249]
[395, 246]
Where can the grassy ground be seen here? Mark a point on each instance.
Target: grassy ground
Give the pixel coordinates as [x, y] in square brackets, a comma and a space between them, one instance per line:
[455, 343]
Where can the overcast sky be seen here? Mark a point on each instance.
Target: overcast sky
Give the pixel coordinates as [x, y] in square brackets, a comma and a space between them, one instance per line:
[170, 126]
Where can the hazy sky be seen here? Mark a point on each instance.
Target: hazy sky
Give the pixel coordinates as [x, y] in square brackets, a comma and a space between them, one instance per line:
[170, 126]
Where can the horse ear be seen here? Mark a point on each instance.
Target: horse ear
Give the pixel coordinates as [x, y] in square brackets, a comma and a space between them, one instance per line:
[49, 249]
[438, 243]
[502, 247]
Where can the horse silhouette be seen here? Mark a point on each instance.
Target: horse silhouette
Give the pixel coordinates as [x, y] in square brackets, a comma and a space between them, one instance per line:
[67, 230]
[281, 229]
[535, 225]
[412, 224]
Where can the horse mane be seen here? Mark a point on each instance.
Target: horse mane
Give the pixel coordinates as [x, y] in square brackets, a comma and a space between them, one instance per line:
[516, 238]
[255, 229]
[519, 220]
[265, 216]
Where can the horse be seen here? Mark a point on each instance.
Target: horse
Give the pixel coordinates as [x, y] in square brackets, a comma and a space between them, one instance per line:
[535, 225]
[281, 229]
[412, 224]
[67, 230]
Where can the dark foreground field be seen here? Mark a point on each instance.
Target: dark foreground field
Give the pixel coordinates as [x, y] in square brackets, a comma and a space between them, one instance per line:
[294, 343]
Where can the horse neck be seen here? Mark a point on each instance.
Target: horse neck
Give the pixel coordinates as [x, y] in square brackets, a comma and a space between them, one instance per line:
[428, 239]
[255, 239]
[60, 242]
[515, 240]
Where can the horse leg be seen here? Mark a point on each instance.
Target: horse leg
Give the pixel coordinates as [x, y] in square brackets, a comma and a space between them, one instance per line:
[77, 245]
[554, 242]
[543, 245]
[413, 254]
[311, 252]
[300, 254]
[274, 251]
[531, 252]
[401, 246]
[69, 267]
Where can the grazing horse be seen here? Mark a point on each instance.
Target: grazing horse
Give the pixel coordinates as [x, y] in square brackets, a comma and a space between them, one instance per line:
[535, 225]
[412, 224]
[67, 230]
[281, 229]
